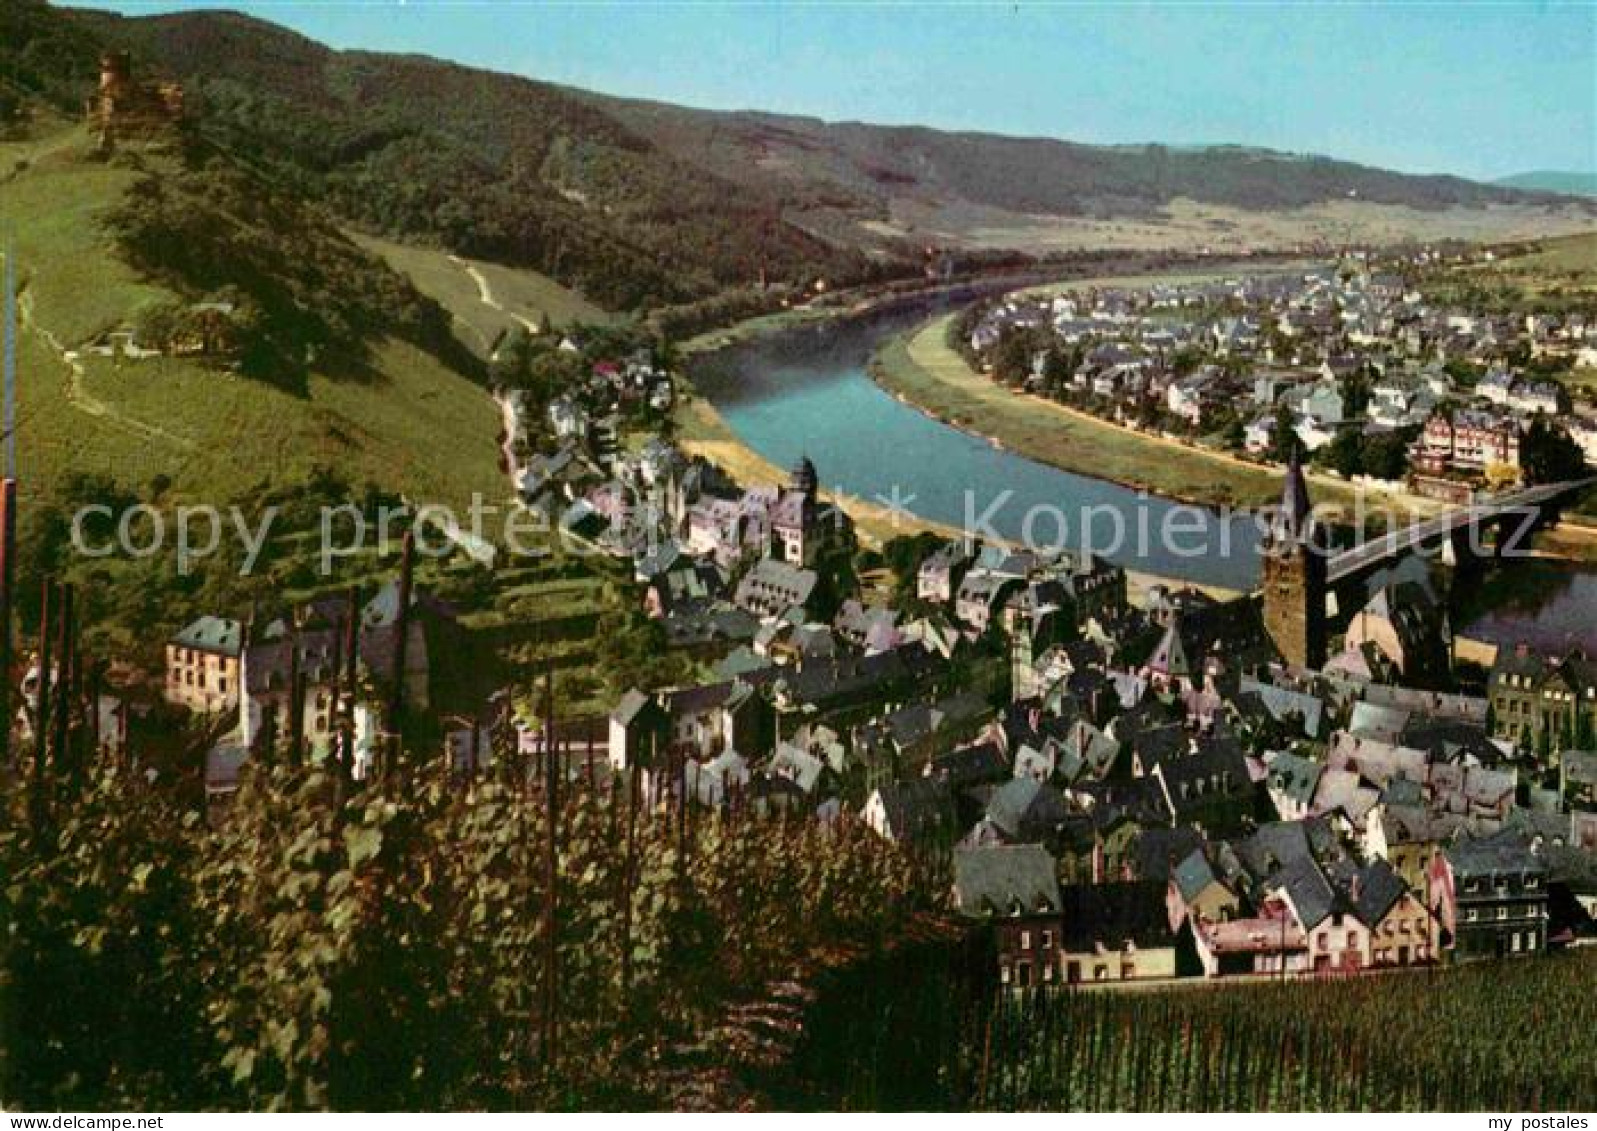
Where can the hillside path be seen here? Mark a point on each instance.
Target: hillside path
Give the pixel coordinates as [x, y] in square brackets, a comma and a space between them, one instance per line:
[77, 391]
[485, 292]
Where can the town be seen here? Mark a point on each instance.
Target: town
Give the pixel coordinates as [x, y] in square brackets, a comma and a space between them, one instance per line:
[1353, 363]
[1192, 787]
[520, 596]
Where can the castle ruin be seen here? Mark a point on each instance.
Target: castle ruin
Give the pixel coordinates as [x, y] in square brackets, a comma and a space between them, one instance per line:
[123, 107]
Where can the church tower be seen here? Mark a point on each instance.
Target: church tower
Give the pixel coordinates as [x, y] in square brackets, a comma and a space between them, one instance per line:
[1294, 560]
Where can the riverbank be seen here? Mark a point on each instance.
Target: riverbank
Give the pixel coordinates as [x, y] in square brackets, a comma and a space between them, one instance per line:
[923, 371]
[702, 431]
[1113, 268]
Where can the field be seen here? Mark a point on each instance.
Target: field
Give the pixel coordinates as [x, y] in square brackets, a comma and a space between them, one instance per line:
[413, 425]
[1565, 265]
[486, 299]
[1189, 225]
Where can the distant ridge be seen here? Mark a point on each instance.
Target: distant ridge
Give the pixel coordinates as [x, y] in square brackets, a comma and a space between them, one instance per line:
[640, 205]
[1553, 180]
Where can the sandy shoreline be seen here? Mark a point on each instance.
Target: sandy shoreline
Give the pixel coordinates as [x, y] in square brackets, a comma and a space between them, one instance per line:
[707, 434]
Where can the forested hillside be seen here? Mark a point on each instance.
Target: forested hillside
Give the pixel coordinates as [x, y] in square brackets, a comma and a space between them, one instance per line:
[490, 166]
[640, 205]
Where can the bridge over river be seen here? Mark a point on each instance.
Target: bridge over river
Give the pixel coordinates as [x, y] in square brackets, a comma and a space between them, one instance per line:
[1460, 532]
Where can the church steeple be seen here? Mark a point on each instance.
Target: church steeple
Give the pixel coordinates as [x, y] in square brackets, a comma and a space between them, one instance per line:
[804, 479]
[1294, 581]
[1294, 518]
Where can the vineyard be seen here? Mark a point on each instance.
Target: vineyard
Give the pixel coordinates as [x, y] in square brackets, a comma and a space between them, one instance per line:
[429, 940]
[420, 941]
[1493, 1036]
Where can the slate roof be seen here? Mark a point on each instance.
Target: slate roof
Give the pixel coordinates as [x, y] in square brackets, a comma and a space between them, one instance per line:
[1310, 891]
[1278, 844]
[1283, 703]
[630, 707]
[1501, 853]
[217, 635]
[1114, 914]
[1343, 791]
[970, 765]
[1414, 824]
[1194, 873]
[800, 767]
[773, 584]
[1378, 889]
[1024, 809]
[1232, 632]
[1295, 776]
[1005, 880]
[917, 808]
[1159, 850]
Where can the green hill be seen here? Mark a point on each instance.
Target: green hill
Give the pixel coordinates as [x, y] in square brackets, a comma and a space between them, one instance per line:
[485, 300]
[488, 166]
[385, 398]
[637, 204]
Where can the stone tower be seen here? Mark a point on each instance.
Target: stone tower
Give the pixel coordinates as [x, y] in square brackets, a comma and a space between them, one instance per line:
[1294, 560]
[804, 479]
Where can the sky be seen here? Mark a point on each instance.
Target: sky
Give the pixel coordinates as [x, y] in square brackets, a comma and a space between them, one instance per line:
[1478, 89]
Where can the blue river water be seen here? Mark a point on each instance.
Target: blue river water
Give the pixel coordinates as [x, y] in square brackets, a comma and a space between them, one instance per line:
[806, 392]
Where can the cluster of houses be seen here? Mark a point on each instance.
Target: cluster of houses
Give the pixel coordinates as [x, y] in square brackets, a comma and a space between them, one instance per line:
[324, 679]
[1284, 347]
[1143, 793]
[1123, 792]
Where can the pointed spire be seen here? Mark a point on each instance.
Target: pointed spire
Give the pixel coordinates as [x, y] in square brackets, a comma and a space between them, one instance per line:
[804, 477]
[1294, 518]
[1295, 496]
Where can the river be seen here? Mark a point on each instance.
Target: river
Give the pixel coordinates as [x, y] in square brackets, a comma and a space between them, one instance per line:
[806, 392]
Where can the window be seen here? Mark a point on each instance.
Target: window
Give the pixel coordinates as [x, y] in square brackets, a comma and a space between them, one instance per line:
[1003, 973]
[1025, 940]
[1047, 940]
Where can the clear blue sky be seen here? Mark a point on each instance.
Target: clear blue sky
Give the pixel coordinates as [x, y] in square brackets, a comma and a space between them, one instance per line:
[1479, 89]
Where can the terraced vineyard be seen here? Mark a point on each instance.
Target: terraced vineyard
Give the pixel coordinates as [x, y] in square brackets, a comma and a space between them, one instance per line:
[1491, 1036]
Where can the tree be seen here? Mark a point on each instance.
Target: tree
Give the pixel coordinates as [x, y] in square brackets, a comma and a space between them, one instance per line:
[1501, 476]
[1344, 454]
[1386, 453]
[1284, 438]
[1012, 357]
[1548, 455]
[1058, 368]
